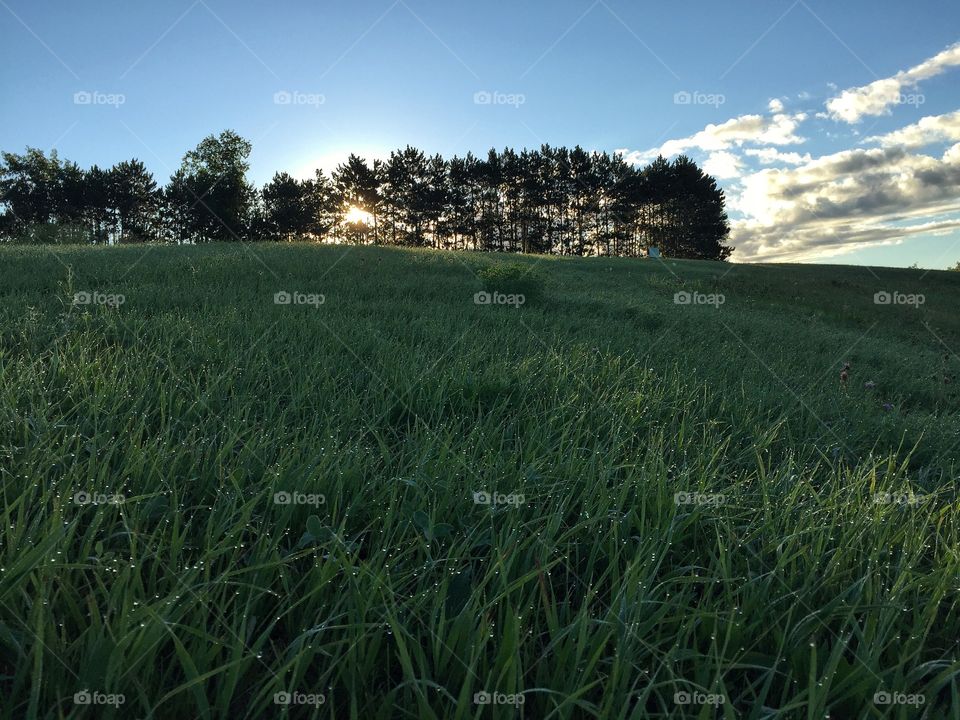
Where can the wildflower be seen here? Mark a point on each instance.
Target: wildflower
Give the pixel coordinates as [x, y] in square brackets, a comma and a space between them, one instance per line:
[845, 373]
[869, 384]
[887, 407]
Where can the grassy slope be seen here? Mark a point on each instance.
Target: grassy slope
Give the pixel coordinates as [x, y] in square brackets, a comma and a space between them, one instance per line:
[200, 398]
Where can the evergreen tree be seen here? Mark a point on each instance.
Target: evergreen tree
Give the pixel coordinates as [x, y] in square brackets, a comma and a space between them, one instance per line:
[700, 218]
[286, 207]
[96, 204]
[134, 200]
[548, 200]
[358, 186]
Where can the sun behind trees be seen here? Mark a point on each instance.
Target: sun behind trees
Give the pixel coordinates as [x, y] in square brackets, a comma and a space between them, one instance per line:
[552, 200]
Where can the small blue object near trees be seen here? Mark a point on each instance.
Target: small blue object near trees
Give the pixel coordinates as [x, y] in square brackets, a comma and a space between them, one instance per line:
[653, 252]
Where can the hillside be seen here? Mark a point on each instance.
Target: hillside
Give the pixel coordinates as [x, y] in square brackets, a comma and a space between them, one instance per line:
[684, 498]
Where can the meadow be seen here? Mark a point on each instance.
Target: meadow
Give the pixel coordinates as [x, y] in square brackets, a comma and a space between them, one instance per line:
[373, 497]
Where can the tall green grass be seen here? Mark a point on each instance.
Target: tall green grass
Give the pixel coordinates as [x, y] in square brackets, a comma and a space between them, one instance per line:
[692, 503]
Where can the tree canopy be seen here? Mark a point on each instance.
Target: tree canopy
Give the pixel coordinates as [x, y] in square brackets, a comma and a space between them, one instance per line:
[547, 200]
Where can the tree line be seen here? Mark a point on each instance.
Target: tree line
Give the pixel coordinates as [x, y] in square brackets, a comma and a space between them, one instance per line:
[551, 200]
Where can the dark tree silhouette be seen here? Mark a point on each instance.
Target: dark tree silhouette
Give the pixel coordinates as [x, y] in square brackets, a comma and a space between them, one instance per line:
[28, 186]
[97, 211]
[358, 186]
[549, 200]
[286, 208]
[210, 196]
[298, 208]
[134, 199]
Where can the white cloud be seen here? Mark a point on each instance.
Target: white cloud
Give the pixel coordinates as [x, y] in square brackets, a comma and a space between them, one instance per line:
[723, 165]
[877, 97]
[953, 155]
[797, 206]
[770, 156]
[846, 200]
[794, 246]
[928, 130]
[745, 129]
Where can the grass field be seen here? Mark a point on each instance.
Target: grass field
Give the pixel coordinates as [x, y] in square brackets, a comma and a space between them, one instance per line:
[210, 498]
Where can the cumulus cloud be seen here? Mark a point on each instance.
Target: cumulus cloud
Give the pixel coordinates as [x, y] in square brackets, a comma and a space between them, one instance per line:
[845, 200]
[794, 245]
[778, 129]
[926, 131]
[723, 165]
[770, 155]
[787, 205]
[852, 105]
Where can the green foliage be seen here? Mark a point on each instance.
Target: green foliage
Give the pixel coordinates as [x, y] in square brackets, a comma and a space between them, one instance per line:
[50, 201]
[209, 197]
[199, 399]
[513, 278]
[546, 201]
[298, 209]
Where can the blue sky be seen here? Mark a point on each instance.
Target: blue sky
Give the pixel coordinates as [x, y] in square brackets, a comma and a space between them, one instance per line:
[812, 112]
